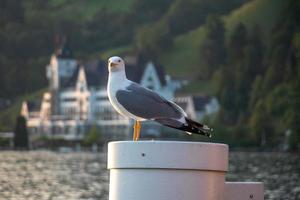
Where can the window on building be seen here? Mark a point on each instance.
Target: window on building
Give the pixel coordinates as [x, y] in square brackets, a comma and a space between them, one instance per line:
[81, 88]
[150, 83]
[70, 112]
[101, 98]
[67, 129]
[69, 99]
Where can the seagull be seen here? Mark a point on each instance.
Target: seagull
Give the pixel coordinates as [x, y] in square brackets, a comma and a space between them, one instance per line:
[139, 103]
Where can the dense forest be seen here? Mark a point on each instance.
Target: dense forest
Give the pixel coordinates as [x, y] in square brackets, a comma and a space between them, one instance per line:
[233, 49]
[257, 83]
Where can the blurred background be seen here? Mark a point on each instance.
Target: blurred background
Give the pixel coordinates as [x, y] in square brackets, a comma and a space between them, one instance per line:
[234, 65]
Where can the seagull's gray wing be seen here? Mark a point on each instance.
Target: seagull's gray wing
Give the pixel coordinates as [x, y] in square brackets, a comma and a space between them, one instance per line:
[147, 104]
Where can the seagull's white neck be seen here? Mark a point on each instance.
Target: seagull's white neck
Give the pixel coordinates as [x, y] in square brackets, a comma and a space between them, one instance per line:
[118, 75]
[116, 80]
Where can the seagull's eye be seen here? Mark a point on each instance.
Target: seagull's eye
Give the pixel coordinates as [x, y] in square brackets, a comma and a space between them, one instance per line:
[119, 60]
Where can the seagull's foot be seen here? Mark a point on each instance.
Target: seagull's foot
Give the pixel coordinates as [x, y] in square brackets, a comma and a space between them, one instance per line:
[136, 131]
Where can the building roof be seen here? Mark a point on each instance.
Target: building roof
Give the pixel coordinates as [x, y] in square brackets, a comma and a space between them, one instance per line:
[64, 51]
[200, 102]
[97, 73]
[34, 106]
[69, 82]
[135, 72]
[183, 105]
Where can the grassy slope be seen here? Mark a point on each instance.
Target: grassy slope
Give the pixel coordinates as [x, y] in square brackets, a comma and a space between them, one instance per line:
[116, 51]
[93, 6]
[78, 10]
[261, 12]
[182, 58]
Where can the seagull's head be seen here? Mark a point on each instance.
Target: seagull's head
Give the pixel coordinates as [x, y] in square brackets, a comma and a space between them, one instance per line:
[115, 63]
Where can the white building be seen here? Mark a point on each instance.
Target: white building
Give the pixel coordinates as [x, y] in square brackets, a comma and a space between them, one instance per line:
[77, 97]
[199, 106]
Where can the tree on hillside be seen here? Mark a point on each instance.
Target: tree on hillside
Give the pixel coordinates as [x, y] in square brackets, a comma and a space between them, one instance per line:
[146, 11]
[279, 87]
[186, 15]
[281, 54]
[256, 92]
[261, 125]
[231, 75]
[12, 11]
[153, 40]
[21, 139]
[212, 51]
[237, 43]
[244, 63]
[250, 67]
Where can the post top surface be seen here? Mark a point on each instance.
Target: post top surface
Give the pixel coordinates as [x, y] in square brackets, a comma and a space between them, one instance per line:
[168, 155]
[166, 142]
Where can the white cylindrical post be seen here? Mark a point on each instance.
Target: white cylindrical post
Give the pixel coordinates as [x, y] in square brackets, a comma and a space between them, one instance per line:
[167, 170]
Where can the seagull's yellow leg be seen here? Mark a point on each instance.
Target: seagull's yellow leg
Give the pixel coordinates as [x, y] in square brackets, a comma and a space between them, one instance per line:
[134, 130]
[138, 131]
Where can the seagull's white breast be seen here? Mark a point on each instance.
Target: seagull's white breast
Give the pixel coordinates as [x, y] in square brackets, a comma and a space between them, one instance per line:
[118, 81]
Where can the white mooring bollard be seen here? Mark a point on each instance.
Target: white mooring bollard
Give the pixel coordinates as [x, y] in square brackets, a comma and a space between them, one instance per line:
[244, 190]
[167, 170]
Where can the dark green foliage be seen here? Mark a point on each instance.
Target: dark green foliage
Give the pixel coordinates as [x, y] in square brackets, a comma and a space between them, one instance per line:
[180, 17]
[261, 124]
[21, 139]
[153, 40]
[212, 51]
[237, 43]
[148, 11]
[4, 142]
[12, 11]
[245, 58]
[185, 15]
[259, 85]
[93, 136]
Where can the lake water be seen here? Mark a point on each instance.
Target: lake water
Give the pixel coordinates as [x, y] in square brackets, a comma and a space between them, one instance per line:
[51, 175]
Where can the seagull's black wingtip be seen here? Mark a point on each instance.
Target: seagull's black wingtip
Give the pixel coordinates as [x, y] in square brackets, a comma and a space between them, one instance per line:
[198, 128]
[208, 134]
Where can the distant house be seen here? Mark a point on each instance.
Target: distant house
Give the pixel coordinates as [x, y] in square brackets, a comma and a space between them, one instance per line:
[77, 97]
[199, 106]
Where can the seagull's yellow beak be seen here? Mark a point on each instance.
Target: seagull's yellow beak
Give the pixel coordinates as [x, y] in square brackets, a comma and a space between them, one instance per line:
[111, 64]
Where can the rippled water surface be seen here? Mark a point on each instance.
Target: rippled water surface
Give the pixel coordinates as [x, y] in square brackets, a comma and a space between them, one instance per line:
[51, 175]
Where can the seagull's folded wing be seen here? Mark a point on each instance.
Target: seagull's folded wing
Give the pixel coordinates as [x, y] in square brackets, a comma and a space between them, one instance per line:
[147, 104]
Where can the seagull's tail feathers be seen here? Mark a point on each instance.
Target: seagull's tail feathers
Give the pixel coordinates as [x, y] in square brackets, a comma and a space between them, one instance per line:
[189, 127]
[196, 127]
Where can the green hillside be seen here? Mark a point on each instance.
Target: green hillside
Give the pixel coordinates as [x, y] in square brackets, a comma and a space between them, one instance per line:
[261, 12]
[81, 10]
[183, 57]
